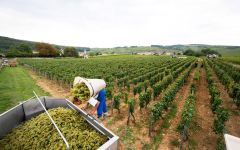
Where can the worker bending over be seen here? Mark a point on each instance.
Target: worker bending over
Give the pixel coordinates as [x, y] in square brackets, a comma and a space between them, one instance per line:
[101, 106]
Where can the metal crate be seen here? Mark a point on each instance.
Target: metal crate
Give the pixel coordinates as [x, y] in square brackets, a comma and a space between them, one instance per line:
[32, 107]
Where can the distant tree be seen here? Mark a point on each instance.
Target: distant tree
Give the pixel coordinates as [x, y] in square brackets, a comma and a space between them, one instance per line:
[133, 46]
[12, 52]
[198, 54]
[92, 54]
[16, 53]
[57, 47]
[98, 53]
[70, 52]
[21, 50]
[189, 52]
[206, 51]
[24, 48]
[46, 50]
[95, 53]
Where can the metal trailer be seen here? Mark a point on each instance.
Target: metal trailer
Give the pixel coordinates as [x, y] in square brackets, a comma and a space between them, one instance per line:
[35, 106]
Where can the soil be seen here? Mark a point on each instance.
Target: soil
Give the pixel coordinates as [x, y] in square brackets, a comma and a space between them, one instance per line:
[50, 86]
[233, 124]
[171, 133]
[204, 135]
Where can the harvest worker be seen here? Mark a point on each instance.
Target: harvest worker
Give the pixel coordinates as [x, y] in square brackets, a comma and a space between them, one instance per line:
[100, 105]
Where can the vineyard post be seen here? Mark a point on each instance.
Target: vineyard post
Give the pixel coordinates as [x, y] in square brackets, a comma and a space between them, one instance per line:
[150, 127]
[112, 106]
[128, 118]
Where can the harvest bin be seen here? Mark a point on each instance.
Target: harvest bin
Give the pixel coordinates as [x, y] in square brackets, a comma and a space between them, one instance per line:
[31, 108]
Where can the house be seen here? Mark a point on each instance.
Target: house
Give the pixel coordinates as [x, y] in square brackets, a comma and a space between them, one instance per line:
[35, 52]
[2, 56]
[83, 54]
[168, 53]
[145, 53]
[61, 52]
[212, 56]
[174, 55]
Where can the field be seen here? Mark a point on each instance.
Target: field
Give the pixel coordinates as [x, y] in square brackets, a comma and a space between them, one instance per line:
[16, 85]
[233, 59]
[157, 102]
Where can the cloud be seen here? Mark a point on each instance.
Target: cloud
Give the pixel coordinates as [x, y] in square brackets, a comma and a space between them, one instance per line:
[109, 23]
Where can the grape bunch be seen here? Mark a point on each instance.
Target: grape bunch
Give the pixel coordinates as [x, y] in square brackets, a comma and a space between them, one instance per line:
[39, 132]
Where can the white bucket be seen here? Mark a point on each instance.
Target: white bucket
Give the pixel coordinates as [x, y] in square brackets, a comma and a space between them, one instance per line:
[94, 85]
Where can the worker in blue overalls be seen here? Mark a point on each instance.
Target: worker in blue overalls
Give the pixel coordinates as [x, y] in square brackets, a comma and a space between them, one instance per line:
[101, 106]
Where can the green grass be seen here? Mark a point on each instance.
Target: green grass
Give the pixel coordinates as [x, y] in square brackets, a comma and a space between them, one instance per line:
[175, 143]
[192, 144]
[16, 85]
[232, 59]
[128, 138]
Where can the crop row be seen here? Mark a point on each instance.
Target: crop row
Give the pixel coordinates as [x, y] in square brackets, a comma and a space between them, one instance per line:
[221, 115]
[160, 86]
[123, 70]
[232, 85]
[216, 102]
[146, 95]
[145, 91]
[159, 108]
[231, 70]
[163, 80]
[154, 75]
[189, 107]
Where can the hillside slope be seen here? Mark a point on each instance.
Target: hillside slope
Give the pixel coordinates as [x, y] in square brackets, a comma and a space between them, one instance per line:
[6, 43]
[225, 50]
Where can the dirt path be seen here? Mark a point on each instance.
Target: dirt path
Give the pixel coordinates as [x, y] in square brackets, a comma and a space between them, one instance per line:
[233, 123]
[171, 134]
[50, 86]
[204, 136]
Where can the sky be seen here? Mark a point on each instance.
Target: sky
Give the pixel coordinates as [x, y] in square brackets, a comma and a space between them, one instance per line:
[111, 23]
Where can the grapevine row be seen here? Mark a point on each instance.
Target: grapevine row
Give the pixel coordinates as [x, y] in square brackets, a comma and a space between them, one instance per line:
[221, 115]
[189, 108]
[232, 87]
[169, 95]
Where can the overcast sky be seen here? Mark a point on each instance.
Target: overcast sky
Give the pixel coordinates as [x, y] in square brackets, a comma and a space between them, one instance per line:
[110, 23]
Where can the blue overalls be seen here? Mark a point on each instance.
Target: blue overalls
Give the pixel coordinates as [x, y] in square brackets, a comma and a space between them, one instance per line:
[102, 108]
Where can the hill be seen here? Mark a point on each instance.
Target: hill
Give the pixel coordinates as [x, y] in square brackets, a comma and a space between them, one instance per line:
[224, 50]
[6, 43]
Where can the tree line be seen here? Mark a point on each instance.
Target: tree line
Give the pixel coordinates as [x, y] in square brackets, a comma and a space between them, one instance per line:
[203, 52]
[41, 50]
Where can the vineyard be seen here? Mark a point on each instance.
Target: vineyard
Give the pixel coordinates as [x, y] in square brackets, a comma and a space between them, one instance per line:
[158, 102]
